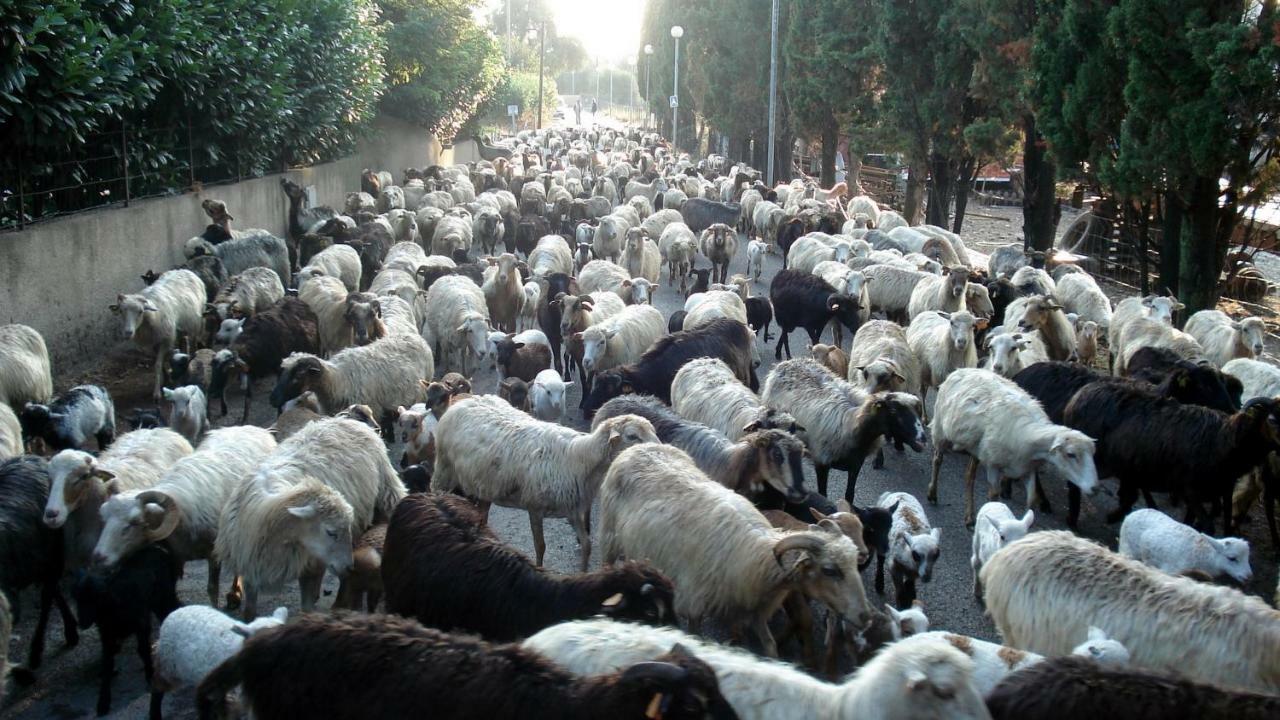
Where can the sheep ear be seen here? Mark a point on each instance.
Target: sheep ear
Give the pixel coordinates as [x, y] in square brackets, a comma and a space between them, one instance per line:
[915, 679]
[614, 601]
[568, 384]
[752, 426]
[147, 306]
[614, 436]
[304, 511]
[817, 514]
[241, 629]
[893, 613]
[424, 384]
[1028, 517]
[168, 394]
[936, 533]
[1096, 634]
[281, 613]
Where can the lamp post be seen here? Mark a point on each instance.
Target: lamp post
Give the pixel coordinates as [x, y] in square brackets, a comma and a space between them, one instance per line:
[773, 87]
[542, 51]
[677, 32]
[648, 55]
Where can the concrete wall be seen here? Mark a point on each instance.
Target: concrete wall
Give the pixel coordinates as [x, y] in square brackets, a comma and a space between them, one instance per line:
[59, 276]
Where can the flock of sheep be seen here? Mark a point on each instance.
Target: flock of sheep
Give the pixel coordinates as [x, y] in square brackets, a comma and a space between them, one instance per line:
[372, 320]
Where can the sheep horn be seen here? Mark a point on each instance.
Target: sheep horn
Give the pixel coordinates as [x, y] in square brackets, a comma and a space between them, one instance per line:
[660, 671]
[171, 514]
[795, 541]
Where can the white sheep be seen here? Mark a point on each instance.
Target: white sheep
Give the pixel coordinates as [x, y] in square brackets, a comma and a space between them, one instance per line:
[1260, 379]
[605, 276]
[993, 662]
[954, 240]
[944, 343]
[891, 287]
[551, 255]
[995, 528]
[1033, 281]
[182, 510]
[10, 433]
[398, 317]
[913, 546]
[327, 298]
[998, 424]
[657, 223]
[641, 257]
[812, 249]
[153, 318]
[299, 510]
[451, 234]
[188, 411]
[244, 249]
[248, 293]
[457, 321]
[1162, 308]
[767, 218]
[383, 374]
[911, 239]
[79, 484]
[908, 680]
[1150, 332]
[25, 375]
[1008, 353]
[1079, 293]
[882, 359]
[1224, 339]
[727, 560]
[705, 307]
[497, 454]
[622, 339]
[705, 390]
[756, 250]
[195, 639]
[406, 257]
[1044, 591]
[392, 281]
[890, 219]
[864, 205]
[1158, 540]
[529, 310]
[940, 293]
[547, 395]
[607, 243]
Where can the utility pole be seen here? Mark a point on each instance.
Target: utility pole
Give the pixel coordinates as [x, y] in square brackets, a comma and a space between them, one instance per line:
[648, 60]
[677, 32]
[542, 51]
[773, 87]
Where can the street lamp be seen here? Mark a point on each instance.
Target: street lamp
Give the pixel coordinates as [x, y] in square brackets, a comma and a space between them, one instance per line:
[773, 86]
[648, 54]
[677, 32]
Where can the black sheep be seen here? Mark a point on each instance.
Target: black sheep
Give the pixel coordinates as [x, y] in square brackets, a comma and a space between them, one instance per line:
[31, 553]
[524, 361]
[61, 424]
[723, 338]
[675, 323]
[1068, 688]
[701, 213]
[364, 666]
[529, 230]
[1210, 386]
[473, 582]
[121, 605]
[266, 339]
[788, 233]
[550, 312]
[1157, 444]
[702, 280]
[759, 315]
[1002, 292]
[876, 521]
[210, 270]
[804, 300]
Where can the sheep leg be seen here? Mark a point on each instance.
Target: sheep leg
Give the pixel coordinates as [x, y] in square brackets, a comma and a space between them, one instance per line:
[878, 462]
[1269, 508]
[107, 670]
[782, 341]
[157, 703]
[156, 394]
[904, 587]
[246, 385]
[799, 622]
[1127, 496]
[821, 472]
[236, 594]
[309, 587]
[880, 573]
[539, 544]
[144, 651]
[1148, 499]
[939, 449]
[215, 573]
[582, 527]
[1045, 507]
[1073, 505]
[852, 469]
[769, 648]
[249, 611]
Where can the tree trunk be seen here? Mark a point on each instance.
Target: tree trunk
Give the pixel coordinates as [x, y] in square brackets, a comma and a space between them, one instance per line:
[854, 168]
[1038, 222]
[783, 156]
[968, 171]
[942, 176]
[1199, 264]
[830, 138]
[911, 209]
[1171, 242]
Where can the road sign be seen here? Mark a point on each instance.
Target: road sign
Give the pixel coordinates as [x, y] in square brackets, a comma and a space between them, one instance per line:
[675, 101]
[513, 110]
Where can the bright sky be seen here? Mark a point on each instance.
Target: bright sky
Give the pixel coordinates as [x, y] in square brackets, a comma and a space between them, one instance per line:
[608, 29]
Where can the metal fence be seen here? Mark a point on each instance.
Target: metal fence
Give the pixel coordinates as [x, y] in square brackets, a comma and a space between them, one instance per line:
[115, 167]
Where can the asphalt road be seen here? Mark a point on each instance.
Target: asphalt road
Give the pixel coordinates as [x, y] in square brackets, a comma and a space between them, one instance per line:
[67, 683]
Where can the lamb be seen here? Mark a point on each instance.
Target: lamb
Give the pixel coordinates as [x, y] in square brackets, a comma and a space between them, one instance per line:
[998, 424]
[842, 424]
[121, 605]
[620, 340]
[523, 360]
[756, 250]
[154, 318]
[298, 511]
[944, 343]
[457, 321]
[188, 411]
[831, 357]
[427, 586]
[1079, 293]
[913, 547]
[265, 340]
[83, 412]
[1044, 591]
[761, 458]
[80, 484]
[891, 289]
[251, 291]
[183, 508]
[24, 367]
[394, 667]
[916, 678]
[547, 396]
[1086, 351]
[503, 292]
[1073, 687]
[547, 469]
[993, 662]
[801, 299]
[1009, 353]
[1259, 379]
[1158, 540]
[1054, 336]
[487, 227]
[1224, 339]
[383, 375]
[719, 243]
[30, 552]
[296, 414]
[602, 275]
[706, 391]
[1128, 309]
[610, 233]
[945, 293]
[727, 560]
[253, 248]
[362, 587]
[195, 639]
[995, 528]
[722, 338]
[640, 257]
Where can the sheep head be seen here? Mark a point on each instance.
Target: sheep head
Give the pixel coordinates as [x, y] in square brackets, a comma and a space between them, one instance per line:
[778, 462]
[1004, 348]
[639, 592]
[73, 474]
[132, 309]
[625, 431]
[1162, 307]
[298, 373]
[850, 524]
[827, 570]
[133, 521]
[961, 330]
[319, 519]
[881, 375]
[898, 414]
[1070, 452]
